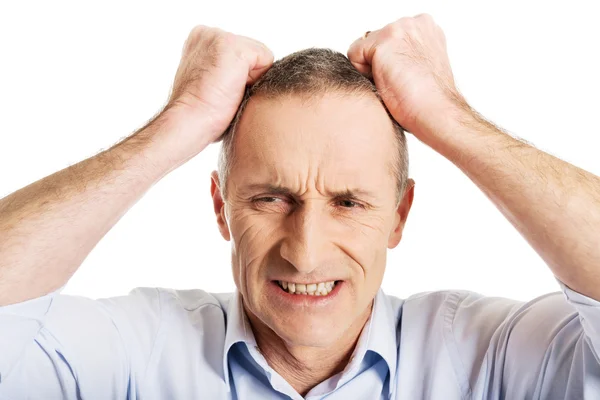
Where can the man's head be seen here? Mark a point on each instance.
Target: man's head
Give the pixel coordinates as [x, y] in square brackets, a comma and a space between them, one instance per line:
[312, 187]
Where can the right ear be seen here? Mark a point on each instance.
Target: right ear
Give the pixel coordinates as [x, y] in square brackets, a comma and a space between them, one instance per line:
[219, 205]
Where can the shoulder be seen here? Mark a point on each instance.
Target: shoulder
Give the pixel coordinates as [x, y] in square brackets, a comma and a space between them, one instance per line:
[457, 305]
[479, 332]
[156, 304]
[156, 298]
[467, 314]
[152, 320]
[194, 299]
[431, 304]
[464, 306]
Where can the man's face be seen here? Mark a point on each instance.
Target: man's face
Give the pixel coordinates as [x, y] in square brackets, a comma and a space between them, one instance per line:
[311, 199]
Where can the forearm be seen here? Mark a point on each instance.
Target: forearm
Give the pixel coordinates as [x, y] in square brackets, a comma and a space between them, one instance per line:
[48, 228]
[553, 204]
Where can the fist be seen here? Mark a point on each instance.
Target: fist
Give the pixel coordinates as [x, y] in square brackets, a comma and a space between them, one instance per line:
[209, 85]
[409, 63]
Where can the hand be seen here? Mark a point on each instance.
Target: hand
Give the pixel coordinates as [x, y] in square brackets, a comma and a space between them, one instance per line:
[209, 85]
[409, 64]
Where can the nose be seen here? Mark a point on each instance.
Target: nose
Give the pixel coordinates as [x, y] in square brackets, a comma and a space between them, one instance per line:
[305, 240]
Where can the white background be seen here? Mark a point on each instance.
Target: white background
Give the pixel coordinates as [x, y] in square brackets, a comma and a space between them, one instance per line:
[77, 77]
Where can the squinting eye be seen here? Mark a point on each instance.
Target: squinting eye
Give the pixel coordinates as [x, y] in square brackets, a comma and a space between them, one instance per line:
[349, 204]
[266, 199]
[272, 204]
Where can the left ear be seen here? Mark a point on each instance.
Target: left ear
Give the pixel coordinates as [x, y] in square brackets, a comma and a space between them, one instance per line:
[401, 214]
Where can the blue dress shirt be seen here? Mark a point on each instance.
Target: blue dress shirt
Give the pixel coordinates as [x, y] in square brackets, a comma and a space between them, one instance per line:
[190, 344]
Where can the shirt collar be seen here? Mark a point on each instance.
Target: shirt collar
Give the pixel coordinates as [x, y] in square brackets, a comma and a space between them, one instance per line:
[238, 330]
[379, 335]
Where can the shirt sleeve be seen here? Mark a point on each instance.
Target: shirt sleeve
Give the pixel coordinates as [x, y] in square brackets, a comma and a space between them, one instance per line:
[70, 347]
[546, 348]
[588, 310]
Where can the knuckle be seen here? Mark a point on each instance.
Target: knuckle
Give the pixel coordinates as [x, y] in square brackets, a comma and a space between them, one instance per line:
[411, 25]
[224, 43]
[395, 30]
[406, 21]
[244, 53]
[424, 17]
[197, 37]
[218, 44]
[199, 28]
[208, 33]
[227, 38]
[199, 31]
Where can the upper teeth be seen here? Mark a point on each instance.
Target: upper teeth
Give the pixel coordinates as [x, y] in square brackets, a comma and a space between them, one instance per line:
[312, 289]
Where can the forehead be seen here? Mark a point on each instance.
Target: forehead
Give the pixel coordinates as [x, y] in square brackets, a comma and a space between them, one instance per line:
[338, 139]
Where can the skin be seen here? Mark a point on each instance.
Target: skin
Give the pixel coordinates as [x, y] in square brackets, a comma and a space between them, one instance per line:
[553, 204]
[83, 202]
[311, 233]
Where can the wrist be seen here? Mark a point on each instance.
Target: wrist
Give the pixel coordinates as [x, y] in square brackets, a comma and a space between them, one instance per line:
[444, 122]
[459, 133]
[176, 135]
[440, 117]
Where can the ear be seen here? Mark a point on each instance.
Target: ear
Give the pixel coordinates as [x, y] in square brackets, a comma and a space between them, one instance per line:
[219, 205]
[401, 214]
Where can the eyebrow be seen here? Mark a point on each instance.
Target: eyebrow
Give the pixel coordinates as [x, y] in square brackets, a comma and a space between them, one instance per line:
[282, 190]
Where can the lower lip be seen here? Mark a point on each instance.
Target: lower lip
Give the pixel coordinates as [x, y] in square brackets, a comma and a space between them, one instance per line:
[304, 299]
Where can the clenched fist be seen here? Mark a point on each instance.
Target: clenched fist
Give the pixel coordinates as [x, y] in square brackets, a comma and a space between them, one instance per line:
[210, 82]
[409, 64]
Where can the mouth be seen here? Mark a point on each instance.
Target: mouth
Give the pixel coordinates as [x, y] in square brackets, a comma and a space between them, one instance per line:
[308, 289]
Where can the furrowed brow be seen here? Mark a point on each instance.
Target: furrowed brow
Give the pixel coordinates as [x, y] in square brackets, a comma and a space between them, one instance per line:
[354, 194]
[268, 188]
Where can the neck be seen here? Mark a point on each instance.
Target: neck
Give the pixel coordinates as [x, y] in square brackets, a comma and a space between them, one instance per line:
[305, 367]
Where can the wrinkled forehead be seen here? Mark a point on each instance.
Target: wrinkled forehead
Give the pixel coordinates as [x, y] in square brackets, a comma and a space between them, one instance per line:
[340, 139]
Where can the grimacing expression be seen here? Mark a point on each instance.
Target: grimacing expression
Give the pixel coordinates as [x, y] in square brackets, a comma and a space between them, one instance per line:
[311, 198]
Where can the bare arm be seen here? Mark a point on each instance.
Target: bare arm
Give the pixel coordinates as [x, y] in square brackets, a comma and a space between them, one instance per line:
[553, 204]
[48, 228]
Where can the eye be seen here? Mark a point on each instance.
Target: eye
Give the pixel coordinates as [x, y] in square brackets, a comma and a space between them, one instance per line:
[349, 204]
[267, 199]
[270, 204]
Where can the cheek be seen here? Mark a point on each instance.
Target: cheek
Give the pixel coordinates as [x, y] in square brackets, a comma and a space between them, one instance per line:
[366, 242]
[369, 251]
[252, 238]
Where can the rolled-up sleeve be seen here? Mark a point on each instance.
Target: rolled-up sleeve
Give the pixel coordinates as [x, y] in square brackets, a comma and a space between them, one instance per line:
[70, 347]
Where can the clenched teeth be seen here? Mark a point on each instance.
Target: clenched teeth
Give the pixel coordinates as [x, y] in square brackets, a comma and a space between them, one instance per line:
[311, 289]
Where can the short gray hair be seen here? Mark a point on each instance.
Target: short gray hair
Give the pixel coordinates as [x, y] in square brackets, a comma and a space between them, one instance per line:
[310, 73]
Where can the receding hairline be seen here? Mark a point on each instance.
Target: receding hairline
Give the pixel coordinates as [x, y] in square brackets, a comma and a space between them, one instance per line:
[307, 97]
[309, 74]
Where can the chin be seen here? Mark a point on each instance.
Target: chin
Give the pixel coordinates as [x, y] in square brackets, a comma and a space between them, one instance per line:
[304, 332]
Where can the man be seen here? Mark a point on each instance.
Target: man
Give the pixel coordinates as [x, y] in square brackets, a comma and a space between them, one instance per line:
[312, 190]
